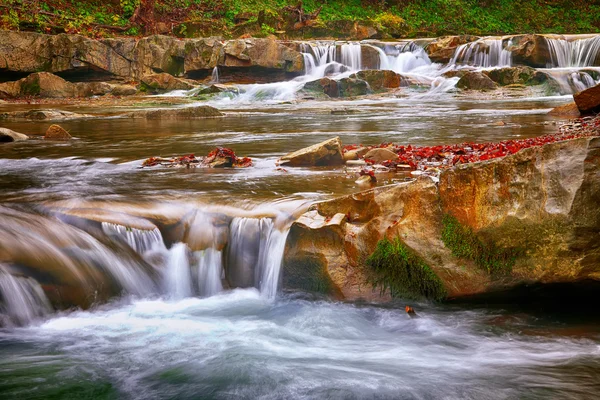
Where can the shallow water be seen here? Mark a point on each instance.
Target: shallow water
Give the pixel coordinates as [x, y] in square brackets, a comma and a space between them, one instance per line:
[241, 345]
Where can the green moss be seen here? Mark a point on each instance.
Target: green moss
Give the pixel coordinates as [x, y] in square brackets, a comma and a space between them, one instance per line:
[31, 87]
[464, 243]
[308, 274]
[396, 267]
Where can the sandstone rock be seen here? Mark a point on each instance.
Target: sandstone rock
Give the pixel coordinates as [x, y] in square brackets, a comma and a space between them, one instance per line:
[178, 113]
[218, 88]
[530, 50]
[442, 49]
[7, 135]
[517, 75]
[45, 84]
[566, 110]
[379, 79]
[163, 82]
[89, 89]
[345, 87]
[123, 90]
[476, 81]
[328, 152]
[57, 132]
[588, 101]
[380, 154]
[266, 53]
[157, 54]
[541, 201]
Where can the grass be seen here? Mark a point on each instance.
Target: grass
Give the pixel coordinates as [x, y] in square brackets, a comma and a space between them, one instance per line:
[396, 268]
[410, 18]
[464, 243]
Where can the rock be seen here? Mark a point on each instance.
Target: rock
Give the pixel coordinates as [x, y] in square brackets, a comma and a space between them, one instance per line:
[352, 87]
[42, 115]
[178, 113]
[89, 89]
[7, 135]
[41, 84]
[266, 53]
[57, 132]
[217, 88]
[476, 81]
[163, 82]
[516, 75]
[441, 50]
[380, 154]
[324, 85]
[566, 110]
[530, 50]
[533, 214]
[328, 152]
[123, 90]
[379, 80]
[588, 101]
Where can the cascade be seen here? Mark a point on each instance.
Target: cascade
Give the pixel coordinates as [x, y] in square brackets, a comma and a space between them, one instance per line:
[139, 240]
[256, 248]
[352, 56]
[210, 271]
[485, 53]
[571, 81]
[214, 78]
[577, 53]
[177, 273]
[22, 299]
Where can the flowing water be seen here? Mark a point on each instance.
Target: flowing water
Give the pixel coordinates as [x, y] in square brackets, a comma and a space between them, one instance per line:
[178, 271]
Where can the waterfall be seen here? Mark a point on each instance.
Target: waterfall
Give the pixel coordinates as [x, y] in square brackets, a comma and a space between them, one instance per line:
[214, 78]
[22, 299]
[577, 53]
[140, 240]
[210, 271]
[255, 253]
[352, 56]
[485, 53]
[177, 274]
[571, 81]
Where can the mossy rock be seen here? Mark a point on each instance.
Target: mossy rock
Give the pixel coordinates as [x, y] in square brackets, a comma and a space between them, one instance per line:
[396, 268]
[307, 273]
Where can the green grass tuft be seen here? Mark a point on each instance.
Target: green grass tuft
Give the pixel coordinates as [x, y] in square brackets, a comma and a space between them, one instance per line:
[464, 243]
[396, 267]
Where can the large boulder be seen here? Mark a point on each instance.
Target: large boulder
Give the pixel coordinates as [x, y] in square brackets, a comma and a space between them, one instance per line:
[528, 217]
[265, 53]
[588, 101]
[202, 54]
[476, 81]
[163, 82]
[328, 152]
[379, 80]
[43, 84]
[345, 87]
[566, 110]
[530, 50]
[517, 75]
[7, 135]
[441, 50]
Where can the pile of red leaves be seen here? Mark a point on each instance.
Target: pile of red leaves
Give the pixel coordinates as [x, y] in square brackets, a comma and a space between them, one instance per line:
[226, 157]
[426, 157]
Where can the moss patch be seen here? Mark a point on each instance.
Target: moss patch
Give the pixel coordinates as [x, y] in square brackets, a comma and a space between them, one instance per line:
[464, 243]
[309, 274]
[396, 267]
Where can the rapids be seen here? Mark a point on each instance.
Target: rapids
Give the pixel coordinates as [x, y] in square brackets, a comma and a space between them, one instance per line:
[125, 283]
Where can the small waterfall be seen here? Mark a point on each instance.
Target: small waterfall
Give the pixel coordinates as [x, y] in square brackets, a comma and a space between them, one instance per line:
[352, 56]
[577, 53]
[22, 299]
[210, 271]
[485, 53]
[177, 274]
[255, 253]
[571, 81]
[214, 78]
[139, 240]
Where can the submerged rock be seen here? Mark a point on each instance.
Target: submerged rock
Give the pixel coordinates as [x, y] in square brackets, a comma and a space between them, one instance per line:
[328, 152]
[7, 135]
[42, 115]
[476, 81]
[57, 132]
[178, 113]
[588, 101]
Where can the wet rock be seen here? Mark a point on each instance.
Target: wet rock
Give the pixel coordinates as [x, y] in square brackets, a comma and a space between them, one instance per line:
[328, 152]
[352, 87]
[566, 110]
[380, 155]
[588, 101]
[7, 135]
[217, 88]
[266, 53]
[42, 84]
[535, 212]
[57, 132]
[42, 115]
[123, 90]
[89, 89]
[163, 82]
[379, 80]
[476, 81]
[325, 85]
[517, 75]
[530, 50]
[178, 113]
[441, 50]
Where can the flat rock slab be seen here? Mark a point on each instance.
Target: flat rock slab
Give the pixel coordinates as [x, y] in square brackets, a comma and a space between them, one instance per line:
[178, 113]
[328, 152]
